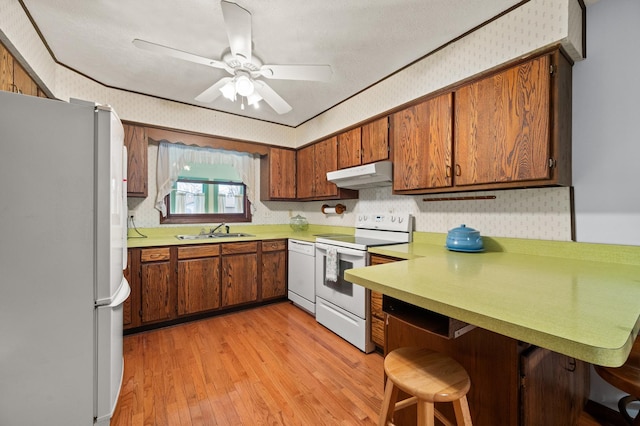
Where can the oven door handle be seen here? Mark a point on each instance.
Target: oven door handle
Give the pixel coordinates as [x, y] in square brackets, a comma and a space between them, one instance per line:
[341, 250]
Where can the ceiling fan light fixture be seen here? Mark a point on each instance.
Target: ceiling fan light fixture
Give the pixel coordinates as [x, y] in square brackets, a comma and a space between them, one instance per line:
[229, 91]
[244, 86]
[254, 99]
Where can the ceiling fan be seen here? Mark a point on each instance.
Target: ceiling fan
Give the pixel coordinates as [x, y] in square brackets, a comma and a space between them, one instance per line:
[245, 68]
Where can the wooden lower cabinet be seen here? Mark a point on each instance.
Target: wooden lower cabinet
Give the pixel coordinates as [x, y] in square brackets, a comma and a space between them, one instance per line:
[179, 283]
[274, 269]
[377, 315]
[157, 302]
[239, 273]
[198, 279]
[512, 383]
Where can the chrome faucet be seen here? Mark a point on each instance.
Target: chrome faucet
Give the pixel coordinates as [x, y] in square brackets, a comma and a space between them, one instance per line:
[218, 227]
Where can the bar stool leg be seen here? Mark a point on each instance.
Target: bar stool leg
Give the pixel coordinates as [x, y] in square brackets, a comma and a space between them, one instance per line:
[425, 413]
[461, 408]
[389, 403]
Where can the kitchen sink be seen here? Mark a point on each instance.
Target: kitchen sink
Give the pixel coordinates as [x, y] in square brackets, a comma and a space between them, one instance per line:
[214, 235]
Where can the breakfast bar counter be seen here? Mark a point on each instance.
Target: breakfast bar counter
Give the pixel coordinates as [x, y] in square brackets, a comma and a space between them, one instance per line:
[580, 300]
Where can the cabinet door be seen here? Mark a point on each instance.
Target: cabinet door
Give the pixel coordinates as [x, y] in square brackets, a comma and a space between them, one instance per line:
[422, 140]
[554, 388]
[325, 156]
[198, 285]
[349, 148]
[502, 126]
[279, 175]
[6, 70]
[377, 315]
[375, 141]
[239, 279]
[274, 274]
[156, 292]
[22, 82]
[135, 139]
[305, 172]
[127, 317]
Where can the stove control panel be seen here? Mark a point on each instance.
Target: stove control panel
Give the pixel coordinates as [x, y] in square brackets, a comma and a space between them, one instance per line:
[385, 221]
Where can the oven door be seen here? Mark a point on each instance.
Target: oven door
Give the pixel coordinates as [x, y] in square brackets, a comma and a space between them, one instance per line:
[350, 297]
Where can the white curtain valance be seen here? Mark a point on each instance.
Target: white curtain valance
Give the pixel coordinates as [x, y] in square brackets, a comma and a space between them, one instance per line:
[172, 158]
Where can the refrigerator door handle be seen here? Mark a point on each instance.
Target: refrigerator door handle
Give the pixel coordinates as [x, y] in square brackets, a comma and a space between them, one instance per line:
[122, 294]
[125, 209]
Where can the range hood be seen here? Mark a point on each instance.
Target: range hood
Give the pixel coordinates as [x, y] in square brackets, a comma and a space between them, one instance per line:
[365, 176]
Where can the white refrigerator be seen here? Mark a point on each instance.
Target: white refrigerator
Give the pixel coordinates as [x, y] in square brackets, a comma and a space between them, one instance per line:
[62, 254]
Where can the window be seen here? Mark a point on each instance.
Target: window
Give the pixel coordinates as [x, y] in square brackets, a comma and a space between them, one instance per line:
[203, 201]
[203, 185]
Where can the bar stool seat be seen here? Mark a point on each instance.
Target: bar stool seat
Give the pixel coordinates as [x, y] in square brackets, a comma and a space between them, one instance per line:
[627, 379]
[429, 377]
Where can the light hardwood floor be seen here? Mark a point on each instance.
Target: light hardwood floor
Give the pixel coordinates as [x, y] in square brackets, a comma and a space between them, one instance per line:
[269, 365]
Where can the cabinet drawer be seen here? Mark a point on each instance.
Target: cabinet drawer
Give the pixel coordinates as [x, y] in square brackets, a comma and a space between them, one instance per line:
[376, 305]
[377, 331]
[236, 248]
[274, 245]
[193, 252]
[154, 254]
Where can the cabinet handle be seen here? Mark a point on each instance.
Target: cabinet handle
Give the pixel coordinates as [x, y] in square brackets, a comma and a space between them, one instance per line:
[552, 163]
[448, 172]
[458, 170]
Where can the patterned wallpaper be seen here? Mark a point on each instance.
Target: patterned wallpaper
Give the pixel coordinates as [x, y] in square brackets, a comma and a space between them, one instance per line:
[531, 213]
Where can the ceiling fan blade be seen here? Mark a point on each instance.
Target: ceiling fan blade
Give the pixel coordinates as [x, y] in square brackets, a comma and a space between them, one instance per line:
[158, 48]
[238, 23]
[297, 72]
[274, 100]
[212, 93]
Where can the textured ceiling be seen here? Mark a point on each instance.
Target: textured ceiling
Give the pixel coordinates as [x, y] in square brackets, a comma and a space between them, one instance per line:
[363, 41]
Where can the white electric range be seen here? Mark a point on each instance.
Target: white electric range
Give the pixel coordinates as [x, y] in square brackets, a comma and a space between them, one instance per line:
[341, 306]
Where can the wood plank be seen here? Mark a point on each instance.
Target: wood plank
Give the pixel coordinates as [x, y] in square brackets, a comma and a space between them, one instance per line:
[270, 365]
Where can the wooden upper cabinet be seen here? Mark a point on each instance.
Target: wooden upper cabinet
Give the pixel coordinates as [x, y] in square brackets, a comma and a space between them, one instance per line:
[366, 144]
[305, 176]
[313, 163]
[349, 148]
[502, 126]
[513, 128]
[22, 81]
[278, 175]
[135, 139]
[325, 160]
[6, 70]
[422, 140]
[14, 78]
[375, 141]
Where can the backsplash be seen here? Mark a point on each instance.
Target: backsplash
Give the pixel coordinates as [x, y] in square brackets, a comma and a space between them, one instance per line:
[536, 213]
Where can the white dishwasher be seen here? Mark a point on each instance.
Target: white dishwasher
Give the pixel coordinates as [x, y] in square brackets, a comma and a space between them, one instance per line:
[302, 264]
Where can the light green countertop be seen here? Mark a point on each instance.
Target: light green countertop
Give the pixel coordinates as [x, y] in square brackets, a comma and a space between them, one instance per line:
[582, 300]
[166, 236]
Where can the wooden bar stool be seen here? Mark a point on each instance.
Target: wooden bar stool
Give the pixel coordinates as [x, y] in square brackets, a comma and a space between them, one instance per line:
[627, 379]
[429, 377]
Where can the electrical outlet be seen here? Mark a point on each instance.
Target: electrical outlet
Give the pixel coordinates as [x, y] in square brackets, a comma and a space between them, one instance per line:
[131, 214]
